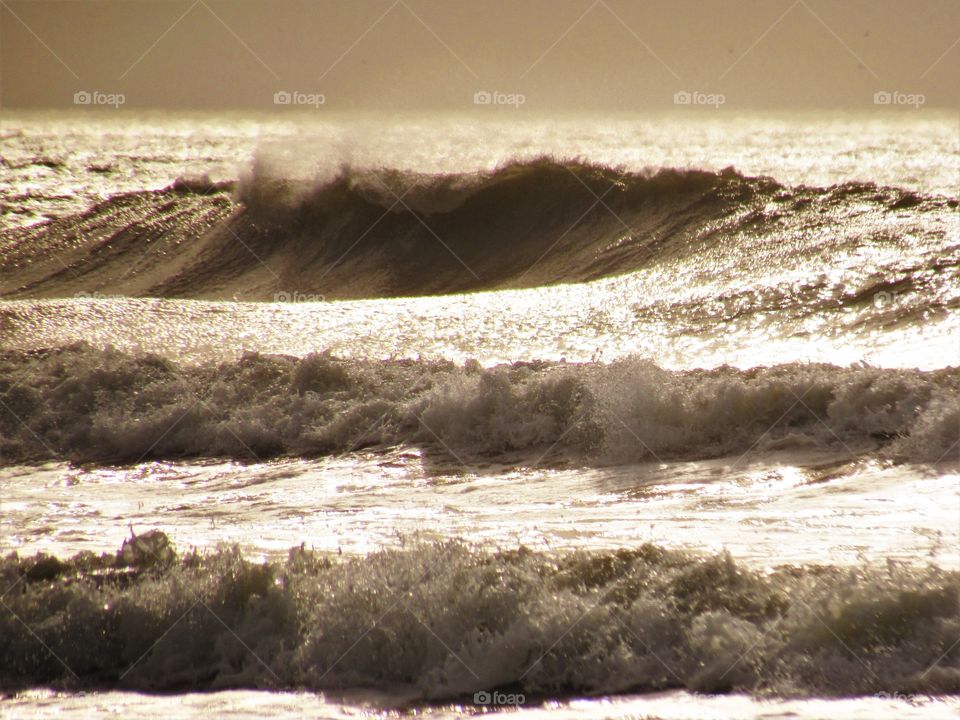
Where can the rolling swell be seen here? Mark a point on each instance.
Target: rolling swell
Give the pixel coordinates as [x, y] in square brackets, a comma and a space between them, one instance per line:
[444, 620]
[387, 233]
[83, 404]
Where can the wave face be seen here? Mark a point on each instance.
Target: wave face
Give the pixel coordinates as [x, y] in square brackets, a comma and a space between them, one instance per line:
[365, 233]
[83, 404]
[446, 620]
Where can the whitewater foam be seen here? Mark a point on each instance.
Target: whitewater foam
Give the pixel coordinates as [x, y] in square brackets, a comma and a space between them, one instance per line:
[446, 620]
[85, 404]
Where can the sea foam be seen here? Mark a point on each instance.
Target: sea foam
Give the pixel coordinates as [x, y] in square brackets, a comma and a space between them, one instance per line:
[85, 404]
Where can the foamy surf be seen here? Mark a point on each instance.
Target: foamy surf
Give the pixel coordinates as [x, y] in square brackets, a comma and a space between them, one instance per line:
[445, 620]
[85, 404]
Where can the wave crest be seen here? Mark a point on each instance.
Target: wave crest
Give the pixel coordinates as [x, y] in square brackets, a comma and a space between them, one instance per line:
[384, 232]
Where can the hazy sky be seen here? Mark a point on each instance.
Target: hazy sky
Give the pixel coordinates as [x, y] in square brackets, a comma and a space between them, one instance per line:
[582, 55]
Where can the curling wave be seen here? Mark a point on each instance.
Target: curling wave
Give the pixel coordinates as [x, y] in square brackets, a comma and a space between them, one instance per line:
[367, 233]
[84, 404]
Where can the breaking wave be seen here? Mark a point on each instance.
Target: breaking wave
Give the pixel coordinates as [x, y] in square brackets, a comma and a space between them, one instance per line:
[86, 404]
[444, 620]
[377, 233]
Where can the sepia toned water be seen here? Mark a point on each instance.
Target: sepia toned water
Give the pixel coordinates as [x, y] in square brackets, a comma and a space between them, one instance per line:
[715, 474]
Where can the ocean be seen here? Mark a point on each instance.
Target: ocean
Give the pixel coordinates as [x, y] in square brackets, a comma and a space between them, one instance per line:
[331, 415]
